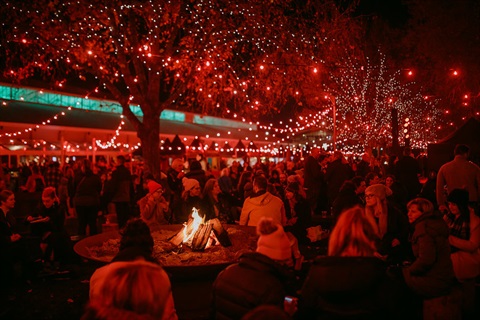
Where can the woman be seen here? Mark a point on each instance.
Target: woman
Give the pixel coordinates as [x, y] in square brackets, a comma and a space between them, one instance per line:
[130, 290]
[298, 212]
[190, 199]
[464, 237]
[245, 177]
[87, 199]
[216, 205]
[351, 282]
[136, 242]
[399, 193]
[389, 223]
[48, 225]
[431, 274]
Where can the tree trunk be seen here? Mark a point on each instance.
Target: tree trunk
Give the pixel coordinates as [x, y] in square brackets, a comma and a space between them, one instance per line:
[149, 134]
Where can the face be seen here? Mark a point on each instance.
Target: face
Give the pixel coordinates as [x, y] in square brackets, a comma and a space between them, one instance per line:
[179, 167]
[47, 202]
[414, 213]
[283, 178]
[370, 199]
[453, 208]
[388, 181]
[216, 189]
[289, 194]
[10, 203]
[195, 192]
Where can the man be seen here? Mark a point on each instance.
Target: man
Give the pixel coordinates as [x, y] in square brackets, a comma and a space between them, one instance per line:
[53, 176]
[458, 174]
[122, 191]
[363, 166]
[407, 171]
[338, 171]
[314, 179]
[262, 204]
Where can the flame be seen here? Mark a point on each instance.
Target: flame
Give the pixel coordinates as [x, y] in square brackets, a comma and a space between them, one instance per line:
[197, 221]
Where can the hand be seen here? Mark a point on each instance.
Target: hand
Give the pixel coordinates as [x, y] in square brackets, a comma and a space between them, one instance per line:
[180, 175]
[379, 256]
[15, 237]
[30, 218]
[395, 242]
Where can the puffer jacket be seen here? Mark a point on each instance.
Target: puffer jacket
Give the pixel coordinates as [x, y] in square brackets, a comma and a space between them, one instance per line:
[263, 204]
[431, 274]
[255, 280]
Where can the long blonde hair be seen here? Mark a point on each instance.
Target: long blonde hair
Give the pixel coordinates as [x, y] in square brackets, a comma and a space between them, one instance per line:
[353, 235]
[380, 211]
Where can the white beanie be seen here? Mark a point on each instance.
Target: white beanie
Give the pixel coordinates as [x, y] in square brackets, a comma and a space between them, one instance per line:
[273, 242]
[189, 184]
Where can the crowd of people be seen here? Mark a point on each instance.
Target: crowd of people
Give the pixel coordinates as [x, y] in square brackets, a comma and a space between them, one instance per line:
[395, 241]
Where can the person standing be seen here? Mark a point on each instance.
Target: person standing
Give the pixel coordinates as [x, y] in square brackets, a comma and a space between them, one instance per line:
[314, 179]
[406, 172]
[122, 191]
[338, 171]
[87, 199]
[458, 174]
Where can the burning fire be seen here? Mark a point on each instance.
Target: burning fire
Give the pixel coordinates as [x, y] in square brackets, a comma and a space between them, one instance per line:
[197, 222]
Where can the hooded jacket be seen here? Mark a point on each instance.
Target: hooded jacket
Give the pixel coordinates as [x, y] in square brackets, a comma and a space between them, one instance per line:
[431, 274]
[262, 204]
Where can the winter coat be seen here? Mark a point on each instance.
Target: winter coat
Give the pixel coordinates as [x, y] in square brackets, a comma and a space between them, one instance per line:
[262, 204]
[154, 208]
[337, 173]
[88, 190]
[122, 184]
[397, 228]
[431, 274]
[255, 280]
[304, 220]
[406, 172]
[346, 287]
[466, 261]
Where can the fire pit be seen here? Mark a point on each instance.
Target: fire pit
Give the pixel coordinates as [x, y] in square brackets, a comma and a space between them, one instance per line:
[178, 259]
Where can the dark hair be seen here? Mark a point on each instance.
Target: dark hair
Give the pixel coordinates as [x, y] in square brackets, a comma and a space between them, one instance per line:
[136, 233]
[461, 149]
[369, 177]
[195, 165]
[4, 195]
[260, 182]
[357, 181]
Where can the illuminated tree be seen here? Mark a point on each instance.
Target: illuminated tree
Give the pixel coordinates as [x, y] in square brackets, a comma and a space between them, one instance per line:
[212, 56]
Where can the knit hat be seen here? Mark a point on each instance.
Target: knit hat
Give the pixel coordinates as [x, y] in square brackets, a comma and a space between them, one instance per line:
[379, 190]
[459, 197]
[293, 187]
[153, 186]
[273, 242]
[189, 184]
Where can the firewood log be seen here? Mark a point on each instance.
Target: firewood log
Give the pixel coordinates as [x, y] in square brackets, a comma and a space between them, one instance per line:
[200, 238]
[220, 233]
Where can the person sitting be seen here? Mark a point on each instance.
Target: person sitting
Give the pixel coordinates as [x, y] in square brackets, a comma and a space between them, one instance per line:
[390, 224]
[431, 273]
[298, 212]
[154, 209]
[136, 242]
[216, 204]
[191, 198]
[464, 239]
[258, 278]
[350, 283]
[347, 198]
[134, 290]
[48, 225]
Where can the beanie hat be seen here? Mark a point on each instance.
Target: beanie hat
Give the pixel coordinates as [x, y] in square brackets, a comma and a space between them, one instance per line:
[459, 197]
[273, 242]
[293, 187]
[189, 184]
[153, 186]
[379, 190]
